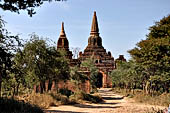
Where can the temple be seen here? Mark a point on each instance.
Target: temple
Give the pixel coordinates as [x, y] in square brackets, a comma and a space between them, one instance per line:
[103, 60]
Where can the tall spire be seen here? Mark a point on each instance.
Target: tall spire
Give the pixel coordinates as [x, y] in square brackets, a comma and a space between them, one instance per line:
[94, 27]
[62, 41]
[62, 33]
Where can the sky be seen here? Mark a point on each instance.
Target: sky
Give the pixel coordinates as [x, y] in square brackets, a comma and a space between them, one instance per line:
[122, 23]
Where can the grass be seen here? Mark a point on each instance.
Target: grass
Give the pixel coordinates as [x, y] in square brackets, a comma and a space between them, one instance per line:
[46, 100]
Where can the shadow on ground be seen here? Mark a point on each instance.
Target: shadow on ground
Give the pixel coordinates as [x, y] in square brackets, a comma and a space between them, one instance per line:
[59, 111]
[112, 98]
[111, 103]
[108, 95]
[91, 106]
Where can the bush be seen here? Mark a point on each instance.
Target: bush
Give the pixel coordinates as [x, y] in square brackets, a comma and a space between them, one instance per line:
[93, 98]
[81, 96]
[14, 106]
[65, 92]
[60, 98]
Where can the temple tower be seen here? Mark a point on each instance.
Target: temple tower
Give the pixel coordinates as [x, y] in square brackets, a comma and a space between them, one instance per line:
[94, 39]
[63, 44]
[102, 59]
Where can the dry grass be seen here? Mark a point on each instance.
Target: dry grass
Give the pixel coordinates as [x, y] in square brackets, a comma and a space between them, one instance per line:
[41, 100]
[155, 110]
[45, 100]
[54, 99]
[139, 96]
[161, 100]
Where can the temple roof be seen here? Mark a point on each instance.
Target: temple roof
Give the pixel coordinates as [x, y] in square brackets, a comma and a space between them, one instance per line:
[94, 27]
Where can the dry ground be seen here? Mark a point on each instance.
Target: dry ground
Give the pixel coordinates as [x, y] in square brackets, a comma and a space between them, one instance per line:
[113, 103]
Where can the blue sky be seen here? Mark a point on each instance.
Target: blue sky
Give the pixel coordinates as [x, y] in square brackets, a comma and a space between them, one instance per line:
[122, 23]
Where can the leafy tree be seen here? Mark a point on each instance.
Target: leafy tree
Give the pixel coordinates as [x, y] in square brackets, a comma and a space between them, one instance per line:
[41, 63]
[77, 77]
[16, 77]
[18, 5]
[9, 45]
[127, 75]
[63, 66]
[153, 54]
[35, 60]
[90, 65]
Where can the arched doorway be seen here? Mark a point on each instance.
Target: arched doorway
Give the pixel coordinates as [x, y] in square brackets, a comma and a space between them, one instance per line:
[99, 80]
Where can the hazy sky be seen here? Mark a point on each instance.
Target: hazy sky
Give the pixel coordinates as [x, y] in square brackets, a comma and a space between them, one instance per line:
[122, 23]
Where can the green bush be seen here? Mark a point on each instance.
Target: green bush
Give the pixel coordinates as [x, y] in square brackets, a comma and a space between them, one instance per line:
[65, 92]
[81, 96]
[60, 98]
[14, 106]
[93, 98]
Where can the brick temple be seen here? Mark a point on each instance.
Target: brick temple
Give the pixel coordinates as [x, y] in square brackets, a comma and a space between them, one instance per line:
[103, 60]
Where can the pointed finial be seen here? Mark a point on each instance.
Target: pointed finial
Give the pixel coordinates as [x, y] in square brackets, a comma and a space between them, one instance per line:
[62, 33]
[94, 27]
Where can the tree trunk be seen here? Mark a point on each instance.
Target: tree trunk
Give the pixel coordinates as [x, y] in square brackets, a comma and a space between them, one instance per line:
[13, 92]
[41, 87]
[46, 85]
[147, 89]
[17, 88]
[143, 87]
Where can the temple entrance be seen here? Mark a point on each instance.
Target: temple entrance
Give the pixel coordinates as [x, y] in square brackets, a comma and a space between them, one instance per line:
[99, 81]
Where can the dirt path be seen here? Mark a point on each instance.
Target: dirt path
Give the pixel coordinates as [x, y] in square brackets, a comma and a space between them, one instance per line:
[113, 103]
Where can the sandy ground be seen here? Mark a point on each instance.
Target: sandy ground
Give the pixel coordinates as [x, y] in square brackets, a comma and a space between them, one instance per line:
[113, 103]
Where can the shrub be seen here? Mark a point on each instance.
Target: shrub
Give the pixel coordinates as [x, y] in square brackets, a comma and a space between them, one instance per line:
[93, 98]
[81, 96]
[60, 98]
[65, 92]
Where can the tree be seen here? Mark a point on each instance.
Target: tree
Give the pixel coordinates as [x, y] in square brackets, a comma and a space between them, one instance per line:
[8, 46]
[16, 77]
[153, 54]
[62, 69]
[18, 5]
[90, 65]
[126, 75]
[77, 77]
[41, 63]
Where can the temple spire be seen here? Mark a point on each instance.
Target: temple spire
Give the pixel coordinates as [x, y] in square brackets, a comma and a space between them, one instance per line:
[62, 33]
[94, 27]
